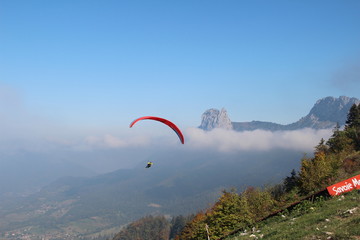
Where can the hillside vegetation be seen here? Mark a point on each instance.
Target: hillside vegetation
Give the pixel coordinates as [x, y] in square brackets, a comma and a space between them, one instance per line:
[334, 160]
[335, 218]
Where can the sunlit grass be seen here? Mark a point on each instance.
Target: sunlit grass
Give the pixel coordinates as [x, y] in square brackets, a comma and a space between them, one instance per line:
[337, 218]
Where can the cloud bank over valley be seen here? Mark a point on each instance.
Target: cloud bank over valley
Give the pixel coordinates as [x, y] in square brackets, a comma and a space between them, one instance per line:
[257, 140]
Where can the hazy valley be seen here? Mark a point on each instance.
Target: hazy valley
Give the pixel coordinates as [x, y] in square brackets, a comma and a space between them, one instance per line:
[180, 182]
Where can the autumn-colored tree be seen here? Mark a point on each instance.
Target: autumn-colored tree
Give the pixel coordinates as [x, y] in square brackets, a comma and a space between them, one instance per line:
[232, 211]
[260, 202]
[351, 163]
[315, 173]
[194, 229]
[147, 228]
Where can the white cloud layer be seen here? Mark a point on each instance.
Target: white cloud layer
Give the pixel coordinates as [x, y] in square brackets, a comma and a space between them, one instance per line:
[218, 139]
[257, 140]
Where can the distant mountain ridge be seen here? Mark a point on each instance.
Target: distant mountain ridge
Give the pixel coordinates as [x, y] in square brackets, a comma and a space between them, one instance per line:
[326, 113]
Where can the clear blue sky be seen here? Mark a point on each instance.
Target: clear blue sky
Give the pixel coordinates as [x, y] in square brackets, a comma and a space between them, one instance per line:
[100, 64]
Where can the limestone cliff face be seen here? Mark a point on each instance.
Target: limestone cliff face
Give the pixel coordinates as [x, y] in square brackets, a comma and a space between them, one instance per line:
[333, 109]
[326, 113]
[213, 118]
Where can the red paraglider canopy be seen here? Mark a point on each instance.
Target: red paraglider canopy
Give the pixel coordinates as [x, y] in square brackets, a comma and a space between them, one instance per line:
[165, 121]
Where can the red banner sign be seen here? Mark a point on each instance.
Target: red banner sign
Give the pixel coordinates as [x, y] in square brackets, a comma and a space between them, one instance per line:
[344, 186]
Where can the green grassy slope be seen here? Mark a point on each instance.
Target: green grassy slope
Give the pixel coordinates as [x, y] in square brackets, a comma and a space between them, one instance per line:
[336, 218]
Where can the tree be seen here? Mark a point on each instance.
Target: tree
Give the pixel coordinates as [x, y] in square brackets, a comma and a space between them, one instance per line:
[195, 229]
[352, 127]
[321, 147]
[149, 228]
[177, 225]
[260, 202]
[291, 182]
[315, 173]
[232, 211]
[353, 118]
[339, 141]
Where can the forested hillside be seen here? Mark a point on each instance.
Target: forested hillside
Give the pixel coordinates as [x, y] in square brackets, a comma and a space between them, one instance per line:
[334, 160]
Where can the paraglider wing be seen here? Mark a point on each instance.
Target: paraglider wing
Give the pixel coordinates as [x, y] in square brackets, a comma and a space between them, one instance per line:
[165, 121]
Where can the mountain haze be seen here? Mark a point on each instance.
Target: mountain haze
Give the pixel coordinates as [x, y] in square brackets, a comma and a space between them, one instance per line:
[173, 186]
[180, 182]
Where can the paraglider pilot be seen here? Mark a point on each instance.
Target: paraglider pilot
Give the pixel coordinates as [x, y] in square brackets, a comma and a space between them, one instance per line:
[149, 164]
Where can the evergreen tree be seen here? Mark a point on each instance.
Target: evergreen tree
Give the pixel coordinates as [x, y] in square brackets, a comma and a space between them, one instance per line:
[177, 225]
[291, 182]
[352, 127]
[353, 118]
[321, 147]
[339, 141]
[277, 191]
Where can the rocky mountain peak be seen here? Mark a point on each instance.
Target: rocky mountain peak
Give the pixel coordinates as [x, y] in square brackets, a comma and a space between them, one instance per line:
[333, 109]
[326, 113]
[214, 118]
